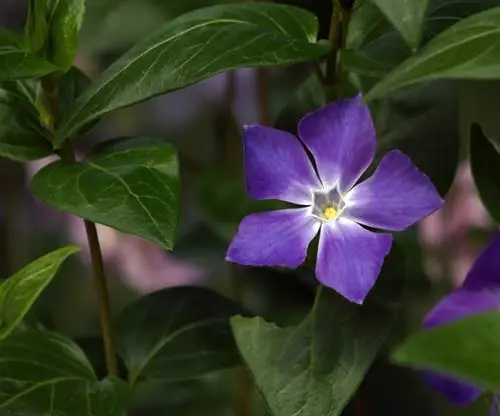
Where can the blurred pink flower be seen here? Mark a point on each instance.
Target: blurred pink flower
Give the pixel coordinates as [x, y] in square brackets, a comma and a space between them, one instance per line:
[445, 233]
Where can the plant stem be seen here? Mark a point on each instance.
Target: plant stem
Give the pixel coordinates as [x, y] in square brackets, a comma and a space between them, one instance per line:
[337, 39]
[102, 294]
[67, 153]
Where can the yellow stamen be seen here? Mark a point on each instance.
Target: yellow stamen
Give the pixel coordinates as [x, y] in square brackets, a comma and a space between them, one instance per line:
[329, 213]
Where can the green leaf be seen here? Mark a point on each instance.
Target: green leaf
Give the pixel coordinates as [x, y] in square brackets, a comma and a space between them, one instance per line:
[132, 189]
[36, 28]
[16, 62]
[478, 103]
[195, 46]
[314, 368]
[67, 17]
[466, 349]
[374, 47]
[466, 50]
[19, 292]
[22, 136]
[52, 29]
[485, 167]
[407, 16]
[177, 334]
[43, 373]
[71, 85]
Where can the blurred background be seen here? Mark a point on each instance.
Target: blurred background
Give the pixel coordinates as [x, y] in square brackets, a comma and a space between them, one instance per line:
[204, 122]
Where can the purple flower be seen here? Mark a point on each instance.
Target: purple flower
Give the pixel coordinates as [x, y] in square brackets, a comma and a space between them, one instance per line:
[341, 138]
[480, 292]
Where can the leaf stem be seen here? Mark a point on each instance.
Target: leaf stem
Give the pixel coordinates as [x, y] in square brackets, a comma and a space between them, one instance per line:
[67, 153]
[337, 38]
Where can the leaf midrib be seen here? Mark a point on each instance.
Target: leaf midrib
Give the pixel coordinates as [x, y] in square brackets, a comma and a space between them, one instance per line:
[163, 342]
[77, 110]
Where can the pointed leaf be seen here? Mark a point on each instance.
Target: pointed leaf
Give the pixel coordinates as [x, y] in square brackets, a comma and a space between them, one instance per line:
[485, 166]
[407, 16]
[177, 334]
[65, 23]
[467, 50]
[132, 189]
[20, 291]
[195, 46]
[16, 62]
[467, 349]
[315, 368]
[44, 373]
[52, 29]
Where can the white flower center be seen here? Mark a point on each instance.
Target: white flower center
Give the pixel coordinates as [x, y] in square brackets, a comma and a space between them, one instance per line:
[327, 205]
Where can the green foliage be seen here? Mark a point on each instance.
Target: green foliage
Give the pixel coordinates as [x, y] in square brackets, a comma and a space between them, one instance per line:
[45, 373]
[19, 292]
[177, 334]
[406, 16]
[485, 166]
[133, 189]
[23, 137]
[175, 343]
[314, 368]
[52, 30]
[16, 62]
[466, 349]
[373, 45]
[462, 51]
[195, 46]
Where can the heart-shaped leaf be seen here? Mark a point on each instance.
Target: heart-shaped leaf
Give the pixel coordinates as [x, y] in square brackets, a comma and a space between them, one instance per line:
[132, 189]
[466, 348]
[195, 46]
[20, 291]
[177, 334]
[467, 50]
[314, 368]
[43, 373]
[16, 62]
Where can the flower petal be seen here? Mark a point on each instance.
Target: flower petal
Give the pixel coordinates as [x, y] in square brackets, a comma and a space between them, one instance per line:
[396, 196]
[342, 139]
[277, 166]
[350, 258]
[456, 391]
[274, 238]
[485, 273]
[458, 305]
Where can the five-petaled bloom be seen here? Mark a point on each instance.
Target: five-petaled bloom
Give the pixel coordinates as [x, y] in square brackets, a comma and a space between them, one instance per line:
[480, 292]
[341, 138]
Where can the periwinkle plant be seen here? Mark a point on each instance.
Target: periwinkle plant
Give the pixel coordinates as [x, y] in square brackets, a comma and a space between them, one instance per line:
[314, 363]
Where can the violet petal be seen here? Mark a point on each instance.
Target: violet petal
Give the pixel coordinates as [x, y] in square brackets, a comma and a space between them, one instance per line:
[457, 305]
[350, 258]
[342, 139]
[277, 166]
[456, 391]
[395, 197]
[485, 273]
[274, 238]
